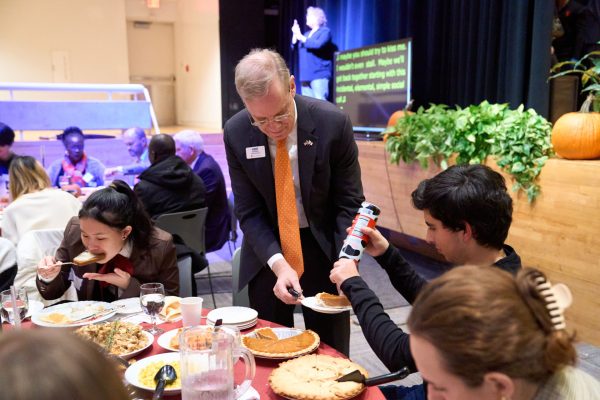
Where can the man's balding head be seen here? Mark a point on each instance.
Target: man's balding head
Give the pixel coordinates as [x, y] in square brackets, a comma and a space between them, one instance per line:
[161, 146]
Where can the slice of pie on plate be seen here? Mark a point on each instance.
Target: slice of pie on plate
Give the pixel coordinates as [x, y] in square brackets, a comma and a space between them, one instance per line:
[313, 377]
[332, 300]
[280, 342]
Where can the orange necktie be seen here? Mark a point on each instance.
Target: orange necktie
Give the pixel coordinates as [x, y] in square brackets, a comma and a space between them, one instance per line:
[287, 214]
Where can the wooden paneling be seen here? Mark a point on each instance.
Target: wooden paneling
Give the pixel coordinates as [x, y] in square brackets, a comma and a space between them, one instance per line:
[559, 233]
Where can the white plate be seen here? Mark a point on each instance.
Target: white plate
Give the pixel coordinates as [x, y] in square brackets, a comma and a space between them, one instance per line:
[74, 310]
[150, 341]
[35, 307]
[164, 340]
[129, 306]
[311, 302]
[133, 372]
[239, 326]
[233, 315]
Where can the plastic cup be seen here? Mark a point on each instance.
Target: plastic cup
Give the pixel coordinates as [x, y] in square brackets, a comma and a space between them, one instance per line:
[191, 310]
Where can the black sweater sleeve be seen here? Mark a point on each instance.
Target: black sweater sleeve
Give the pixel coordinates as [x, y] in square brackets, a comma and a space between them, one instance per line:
[389, 342]
[402, 275]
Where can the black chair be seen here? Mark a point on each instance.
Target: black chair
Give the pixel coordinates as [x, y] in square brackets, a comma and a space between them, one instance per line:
[189, 226]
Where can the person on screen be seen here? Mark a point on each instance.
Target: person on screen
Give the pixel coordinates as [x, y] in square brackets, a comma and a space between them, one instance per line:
[316, 54]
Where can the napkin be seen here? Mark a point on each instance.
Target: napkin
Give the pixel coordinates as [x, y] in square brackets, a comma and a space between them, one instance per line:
[172, 309]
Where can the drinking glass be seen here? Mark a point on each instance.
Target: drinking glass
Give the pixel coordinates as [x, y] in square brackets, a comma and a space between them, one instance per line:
[152, 299]
[7, 305]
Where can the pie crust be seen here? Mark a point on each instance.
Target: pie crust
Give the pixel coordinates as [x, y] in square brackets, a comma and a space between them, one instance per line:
[332, 300]
[264, 342]
[313, 377]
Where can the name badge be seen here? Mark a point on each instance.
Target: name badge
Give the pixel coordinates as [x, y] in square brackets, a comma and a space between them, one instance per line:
[255, 152]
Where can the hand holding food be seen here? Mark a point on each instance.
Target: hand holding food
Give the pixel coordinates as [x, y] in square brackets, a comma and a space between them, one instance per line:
[48, 268]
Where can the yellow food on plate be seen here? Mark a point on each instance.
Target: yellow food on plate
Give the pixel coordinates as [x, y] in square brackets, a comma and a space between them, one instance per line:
[122, 337]
[55, 318]
[147, 374]
[172, 308]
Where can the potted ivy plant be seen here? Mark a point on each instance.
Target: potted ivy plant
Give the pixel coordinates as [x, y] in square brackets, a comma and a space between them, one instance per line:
[519, 140]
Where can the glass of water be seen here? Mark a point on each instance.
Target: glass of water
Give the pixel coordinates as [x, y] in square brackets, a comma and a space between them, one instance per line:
[152, 299]
[8, 313]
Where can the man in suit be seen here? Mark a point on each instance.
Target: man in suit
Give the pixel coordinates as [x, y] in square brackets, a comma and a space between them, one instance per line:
[323, 158]
[190, 147]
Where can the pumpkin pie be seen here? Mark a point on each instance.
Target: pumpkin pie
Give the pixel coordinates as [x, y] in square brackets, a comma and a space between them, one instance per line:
[332, 300]
[264, 342]
[313, 377]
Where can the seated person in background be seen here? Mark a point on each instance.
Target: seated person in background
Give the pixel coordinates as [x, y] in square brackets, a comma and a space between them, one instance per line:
[169, 185]
[35, 204]
[112, 225]
[468, 212]
[190, 147]
[7, 138]
[137, 146]
[49, 364]
[480, 333]
[76, 169]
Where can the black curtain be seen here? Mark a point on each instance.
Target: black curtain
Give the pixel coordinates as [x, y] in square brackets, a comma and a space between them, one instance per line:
[464, 51]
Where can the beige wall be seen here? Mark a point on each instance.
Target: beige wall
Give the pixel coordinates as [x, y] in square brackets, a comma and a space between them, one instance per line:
[85, 41]
[88, 34]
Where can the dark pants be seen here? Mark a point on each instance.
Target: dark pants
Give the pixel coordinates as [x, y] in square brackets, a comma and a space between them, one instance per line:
[334, 329]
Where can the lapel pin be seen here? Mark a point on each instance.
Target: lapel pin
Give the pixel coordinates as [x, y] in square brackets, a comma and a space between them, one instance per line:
[308, 143]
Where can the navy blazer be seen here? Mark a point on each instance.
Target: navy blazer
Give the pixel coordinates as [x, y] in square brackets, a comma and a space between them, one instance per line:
[316, 55]
[329, 182]
[218, 219]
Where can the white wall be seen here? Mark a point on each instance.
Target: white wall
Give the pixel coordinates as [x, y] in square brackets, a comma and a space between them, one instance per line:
[88, 34]
[87, 42]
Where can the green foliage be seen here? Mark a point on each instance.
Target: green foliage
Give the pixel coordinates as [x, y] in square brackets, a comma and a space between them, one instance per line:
[588, 67]
[519, 139]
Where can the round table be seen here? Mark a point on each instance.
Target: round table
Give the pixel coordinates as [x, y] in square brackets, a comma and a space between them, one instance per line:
[263, 366]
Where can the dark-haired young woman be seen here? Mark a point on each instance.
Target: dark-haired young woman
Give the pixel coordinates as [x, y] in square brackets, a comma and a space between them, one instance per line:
[112, 223]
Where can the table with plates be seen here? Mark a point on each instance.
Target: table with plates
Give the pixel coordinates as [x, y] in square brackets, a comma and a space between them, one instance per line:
[263, 366]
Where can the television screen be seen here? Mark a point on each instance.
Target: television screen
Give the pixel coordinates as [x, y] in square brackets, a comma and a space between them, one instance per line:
[372, 82]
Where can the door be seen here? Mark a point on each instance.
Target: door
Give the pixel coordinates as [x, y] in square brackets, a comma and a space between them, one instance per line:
[152, 63]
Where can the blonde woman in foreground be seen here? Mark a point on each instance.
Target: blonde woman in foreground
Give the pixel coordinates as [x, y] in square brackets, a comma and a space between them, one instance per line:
[480, 333]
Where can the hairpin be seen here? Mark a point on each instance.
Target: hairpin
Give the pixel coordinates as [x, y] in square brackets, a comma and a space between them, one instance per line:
[557, 298]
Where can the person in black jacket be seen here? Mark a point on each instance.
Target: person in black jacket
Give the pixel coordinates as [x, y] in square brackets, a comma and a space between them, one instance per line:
[169, 185]
[468, 212]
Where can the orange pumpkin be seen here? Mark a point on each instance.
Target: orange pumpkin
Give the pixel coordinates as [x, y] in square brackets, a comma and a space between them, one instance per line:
[576, 136]
[397, 114]
[392, 123]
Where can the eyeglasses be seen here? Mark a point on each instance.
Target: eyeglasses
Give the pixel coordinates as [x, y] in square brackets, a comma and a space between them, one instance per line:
[278, 119]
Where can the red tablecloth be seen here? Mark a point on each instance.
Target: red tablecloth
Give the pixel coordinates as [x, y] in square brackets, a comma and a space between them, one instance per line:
[263, 366]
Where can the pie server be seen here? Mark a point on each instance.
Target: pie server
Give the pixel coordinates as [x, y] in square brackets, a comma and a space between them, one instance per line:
[356, 376]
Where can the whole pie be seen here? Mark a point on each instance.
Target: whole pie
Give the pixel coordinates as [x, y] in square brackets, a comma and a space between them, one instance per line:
[332, 300]
[313, 377]
[264, 342]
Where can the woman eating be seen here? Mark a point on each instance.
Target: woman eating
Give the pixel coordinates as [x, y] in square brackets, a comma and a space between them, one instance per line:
[479, 333]
[124, 251]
